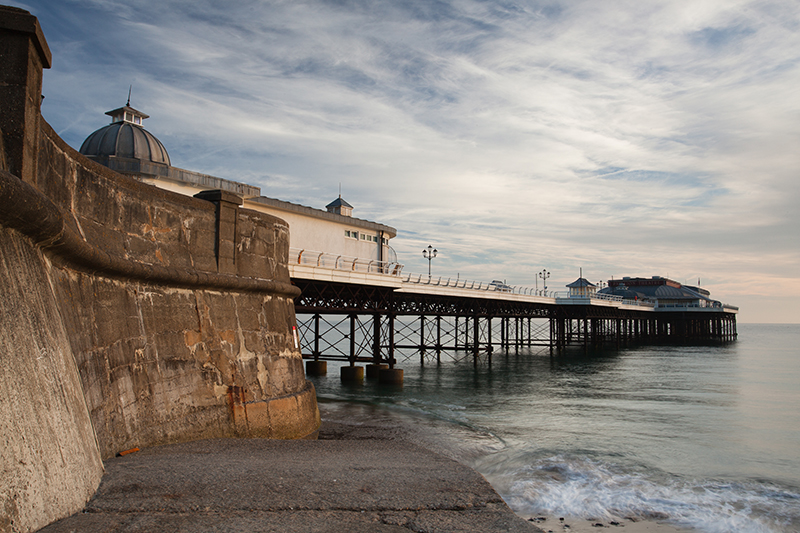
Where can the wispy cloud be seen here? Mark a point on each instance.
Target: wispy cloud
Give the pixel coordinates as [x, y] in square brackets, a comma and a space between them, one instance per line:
[627, 138]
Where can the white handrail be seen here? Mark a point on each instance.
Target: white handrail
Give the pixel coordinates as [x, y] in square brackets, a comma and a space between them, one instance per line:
[341, 262]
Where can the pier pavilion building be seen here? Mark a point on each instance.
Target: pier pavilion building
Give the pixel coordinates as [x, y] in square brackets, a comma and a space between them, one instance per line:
[125, 146]
[662, 292]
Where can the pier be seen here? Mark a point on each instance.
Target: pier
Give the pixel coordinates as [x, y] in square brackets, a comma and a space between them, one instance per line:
[360, 311]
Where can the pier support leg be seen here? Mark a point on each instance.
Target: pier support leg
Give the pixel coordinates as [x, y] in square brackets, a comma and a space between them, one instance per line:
[373, 370]
[390, 349]
[422, 340]
[475, 340]
[352, 373]
[376, 339]
[390, 376]
[489, 332]
[438, 339]
[316, 368]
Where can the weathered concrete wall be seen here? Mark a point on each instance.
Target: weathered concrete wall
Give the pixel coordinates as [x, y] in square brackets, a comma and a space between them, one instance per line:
[131, 316]
[49, 459]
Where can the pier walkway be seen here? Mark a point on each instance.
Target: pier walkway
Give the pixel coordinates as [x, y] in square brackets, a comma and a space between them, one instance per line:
[359, 310]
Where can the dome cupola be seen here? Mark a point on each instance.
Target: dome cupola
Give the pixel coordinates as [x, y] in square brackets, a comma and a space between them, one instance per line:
[125, 138]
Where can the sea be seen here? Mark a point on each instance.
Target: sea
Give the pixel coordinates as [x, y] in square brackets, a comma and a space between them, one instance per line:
[699, 437]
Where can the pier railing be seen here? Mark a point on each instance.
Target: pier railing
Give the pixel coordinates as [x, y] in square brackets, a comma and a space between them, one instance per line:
[485, 286]
[345, 263]
[340, 262]
[608, 298]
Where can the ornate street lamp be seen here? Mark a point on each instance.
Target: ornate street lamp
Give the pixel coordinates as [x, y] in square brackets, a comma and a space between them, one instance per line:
[429, 254]
[544, 274]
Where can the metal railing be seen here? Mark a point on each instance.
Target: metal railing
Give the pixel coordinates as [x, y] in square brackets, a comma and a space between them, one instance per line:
[340, 262]
[459, 283]
[609, 298]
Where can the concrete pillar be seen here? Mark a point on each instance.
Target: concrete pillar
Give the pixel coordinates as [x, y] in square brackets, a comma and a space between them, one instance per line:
[316, 368]
[23, 55]
[391, 376]
[352, 373]
[227, 215]
[373, 370]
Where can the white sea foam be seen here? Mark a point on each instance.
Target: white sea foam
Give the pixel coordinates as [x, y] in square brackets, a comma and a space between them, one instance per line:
[591, 489]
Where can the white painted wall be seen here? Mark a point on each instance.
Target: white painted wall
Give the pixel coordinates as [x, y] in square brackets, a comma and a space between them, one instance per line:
[305, 232]
[320, 235]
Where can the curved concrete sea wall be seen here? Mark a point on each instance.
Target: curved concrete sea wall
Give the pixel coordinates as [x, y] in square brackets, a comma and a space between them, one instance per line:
[131, 316]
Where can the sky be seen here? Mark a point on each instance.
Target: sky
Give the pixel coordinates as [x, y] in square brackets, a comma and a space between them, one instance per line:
[621, 138]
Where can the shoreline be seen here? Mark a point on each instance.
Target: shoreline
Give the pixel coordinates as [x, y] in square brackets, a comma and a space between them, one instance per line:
[397, 427]
[582, 525]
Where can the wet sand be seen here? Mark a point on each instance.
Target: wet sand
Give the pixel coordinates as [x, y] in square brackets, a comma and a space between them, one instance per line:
[579, 525]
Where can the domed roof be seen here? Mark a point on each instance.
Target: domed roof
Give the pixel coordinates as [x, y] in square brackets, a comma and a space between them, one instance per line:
[125, 138]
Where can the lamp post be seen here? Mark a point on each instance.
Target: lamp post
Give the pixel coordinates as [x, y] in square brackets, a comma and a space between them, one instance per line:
[544, 274]
[429, 254]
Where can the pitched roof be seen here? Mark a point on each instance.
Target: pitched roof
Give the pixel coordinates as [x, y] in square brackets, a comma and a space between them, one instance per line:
[339, 202]
[581, 282]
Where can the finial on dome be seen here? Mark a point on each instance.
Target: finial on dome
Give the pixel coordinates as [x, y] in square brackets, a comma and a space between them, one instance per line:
[130, 88]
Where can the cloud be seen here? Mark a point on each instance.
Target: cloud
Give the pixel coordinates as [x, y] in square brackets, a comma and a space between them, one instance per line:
[626, 138]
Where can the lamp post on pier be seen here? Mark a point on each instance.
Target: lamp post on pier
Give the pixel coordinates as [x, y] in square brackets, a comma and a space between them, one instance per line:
[429, 254]
[544, 274]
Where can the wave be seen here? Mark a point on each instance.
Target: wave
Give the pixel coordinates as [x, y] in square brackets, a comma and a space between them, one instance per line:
[582, 486]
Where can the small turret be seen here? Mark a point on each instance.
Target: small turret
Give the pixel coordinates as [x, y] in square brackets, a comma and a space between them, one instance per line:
[340, 207]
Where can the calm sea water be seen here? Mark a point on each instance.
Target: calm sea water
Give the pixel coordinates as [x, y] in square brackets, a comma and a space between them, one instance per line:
[702, 437]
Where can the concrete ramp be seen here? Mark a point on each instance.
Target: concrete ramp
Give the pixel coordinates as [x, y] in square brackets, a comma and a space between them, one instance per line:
[255, 485]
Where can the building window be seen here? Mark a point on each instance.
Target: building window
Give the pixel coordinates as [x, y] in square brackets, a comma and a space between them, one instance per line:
[351, 234]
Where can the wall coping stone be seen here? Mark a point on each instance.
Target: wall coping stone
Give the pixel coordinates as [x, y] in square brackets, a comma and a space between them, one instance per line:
[16, 19]
[39, 218]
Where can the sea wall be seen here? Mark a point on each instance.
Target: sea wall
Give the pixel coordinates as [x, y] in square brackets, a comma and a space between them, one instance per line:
[131, 316]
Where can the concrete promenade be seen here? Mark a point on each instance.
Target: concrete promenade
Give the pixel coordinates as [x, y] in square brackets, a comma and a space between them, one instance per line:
[351, 480]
